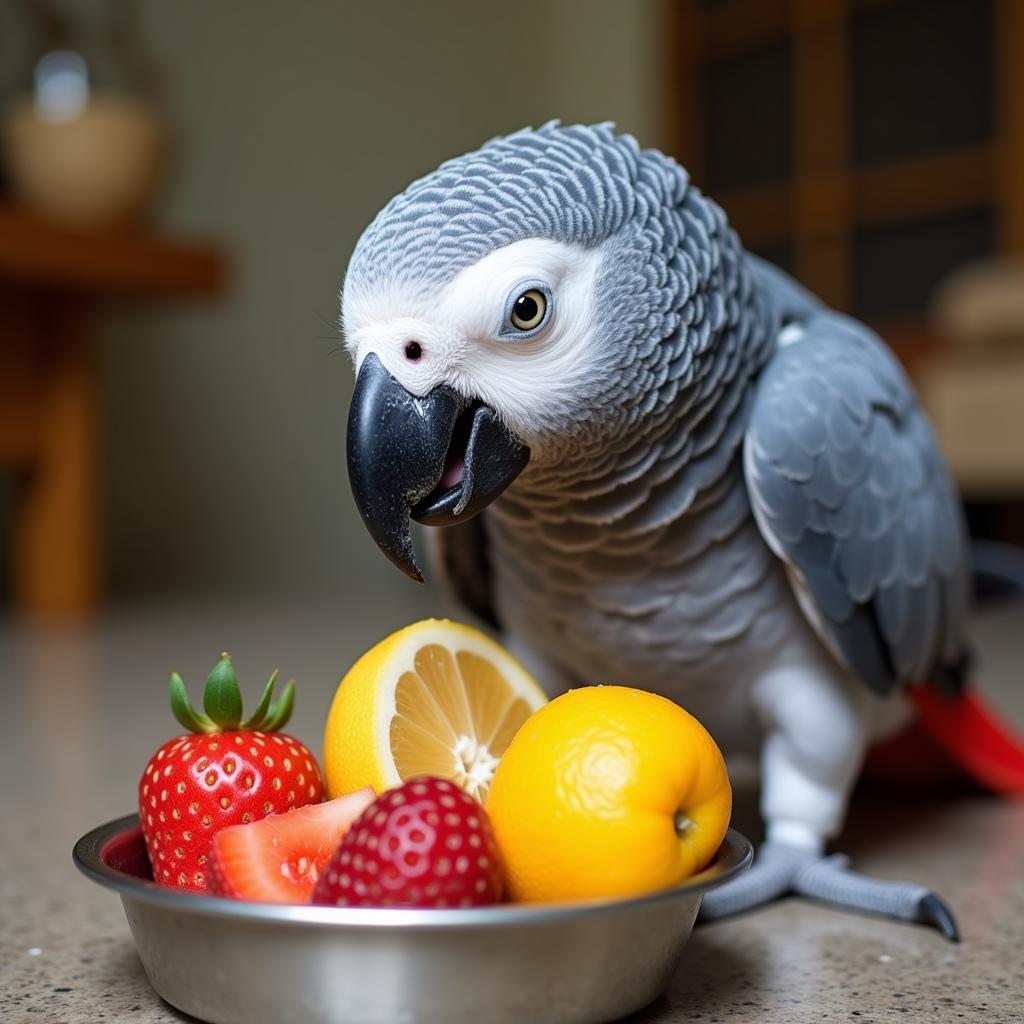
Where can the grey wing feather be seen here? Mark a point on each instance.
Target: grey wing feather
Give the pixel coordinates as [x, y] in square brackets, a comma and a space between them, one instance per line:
[786, 298]
[850, 490]
[460, 559]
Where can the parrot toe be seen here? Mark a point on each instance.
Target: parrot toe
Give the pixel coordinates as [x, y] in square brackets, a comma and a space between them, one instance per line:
[830, 881]
[934, 911]
[780, 870]
[770, 877]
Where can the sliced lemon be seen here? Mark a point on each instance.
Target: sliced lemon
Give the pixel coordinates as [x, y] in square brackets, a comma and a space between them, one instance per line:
[436, 698]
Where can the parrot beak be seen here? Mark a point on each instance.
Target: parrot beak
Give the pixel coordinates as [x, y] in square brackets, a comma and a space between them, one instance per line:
[439, 459]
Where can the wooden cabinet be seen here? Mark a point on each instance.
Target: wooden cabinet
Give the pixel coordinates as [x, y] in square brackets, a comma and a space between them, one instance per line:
[868, 146]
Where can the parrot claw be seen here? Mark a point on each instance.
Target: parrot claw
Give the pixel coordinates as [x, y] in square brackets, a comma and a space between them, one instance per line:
[934, 911]
[781, 870]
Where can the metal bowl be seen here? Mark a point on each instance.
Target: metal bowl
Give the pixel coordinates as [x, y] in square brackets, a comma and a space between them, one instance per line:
[233, 962]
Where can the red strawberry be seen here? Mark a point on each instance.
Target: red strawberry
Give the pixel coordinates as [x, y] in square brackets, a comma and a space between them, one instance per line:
[279, 859]
[424, 844]
[229, 773]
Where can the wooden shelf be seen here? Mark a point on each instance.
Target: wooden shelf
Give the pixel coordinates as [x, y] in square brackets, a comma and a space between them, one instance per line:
[36, 253]
[869, 196]
[732, 28]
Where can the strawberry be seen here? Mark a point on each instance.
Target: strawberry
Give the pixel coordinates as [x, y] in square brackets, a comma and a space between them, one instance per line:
[224, 772]
[424, 844]
[280, 859]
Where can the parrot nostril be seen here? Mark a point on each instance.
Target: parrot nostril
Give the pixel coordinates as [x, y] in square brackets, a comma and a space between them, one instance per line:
[413, 351]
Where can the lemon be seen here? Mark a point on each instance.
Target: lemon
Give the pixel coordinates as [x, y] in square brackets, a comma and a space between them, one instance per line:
[436, 698]
[608, 792]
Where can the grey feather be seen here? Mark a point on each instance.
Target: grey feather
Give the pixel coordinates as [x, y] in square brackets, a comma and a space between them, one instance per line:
[459, 556]
[574, 183]
[887, 563]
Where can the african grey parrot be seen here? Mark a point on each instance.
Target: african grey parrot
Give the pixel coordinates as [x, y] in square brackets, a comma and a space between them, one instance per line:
[693, 476]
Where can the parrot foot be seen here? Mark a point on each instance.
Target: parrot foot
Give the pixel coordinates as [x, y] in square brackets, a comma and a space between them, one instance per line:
[781, 869]
[770, 877]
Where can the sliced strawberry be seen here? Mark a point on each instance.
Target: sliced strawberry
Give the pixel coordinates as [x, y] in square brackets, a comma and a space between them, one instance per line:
[279, 859]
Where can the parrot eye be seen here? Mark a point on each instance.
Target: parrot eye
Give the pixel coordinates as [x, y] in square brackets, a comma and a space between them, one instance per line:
[527, 310]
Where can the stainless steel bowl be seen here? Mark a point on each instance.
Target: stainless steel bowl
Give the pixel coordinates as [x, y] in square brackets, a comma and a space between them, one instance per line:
[231, 962]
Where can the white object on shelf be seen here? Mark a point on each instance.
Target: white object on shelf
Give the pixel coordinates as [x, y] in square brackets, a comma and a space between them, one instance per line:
[981, 304]
[61, 86]
[974, 389]
[977, 409]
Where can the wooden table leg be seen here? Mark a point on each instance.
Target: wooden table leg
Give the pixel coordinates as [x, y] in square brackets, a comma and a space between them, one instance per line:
[58, 531]
[19, 373]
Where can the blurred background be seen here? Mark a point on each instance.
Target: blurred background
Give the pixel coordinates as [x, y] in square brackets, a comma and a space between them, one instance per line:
[181, 186]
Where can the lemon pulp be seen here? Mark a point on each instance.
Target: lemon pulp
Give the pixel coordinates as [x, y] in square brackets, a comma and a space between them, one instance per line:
[454, 715]
[437, 698]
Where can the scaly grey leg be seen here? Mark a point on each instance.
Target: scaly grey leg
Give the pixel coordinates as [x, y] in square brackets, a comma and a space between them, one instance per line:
[770, 876]
[781, 869]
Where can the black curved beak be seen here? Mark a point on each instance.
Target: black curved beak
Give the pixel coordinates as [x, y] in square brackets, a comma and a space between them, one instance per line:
[439, 459]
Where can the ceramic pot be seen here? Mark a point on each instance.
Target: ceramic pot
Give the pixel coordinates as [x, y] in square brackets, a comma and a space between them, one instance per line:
[97, 169]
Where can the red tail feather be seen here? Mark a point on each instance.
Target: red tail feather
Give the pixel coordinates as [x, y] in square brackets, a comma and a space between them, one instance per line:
[951, 738]
[971, 735]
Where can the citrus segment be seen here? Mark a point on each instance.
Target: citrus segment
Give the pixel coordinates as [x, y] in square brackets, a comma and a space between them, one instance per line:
[436, 698]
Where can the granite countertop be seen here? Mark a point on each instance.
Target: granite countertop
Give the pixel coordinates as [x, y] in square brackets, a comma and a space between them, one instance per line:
[84, 708]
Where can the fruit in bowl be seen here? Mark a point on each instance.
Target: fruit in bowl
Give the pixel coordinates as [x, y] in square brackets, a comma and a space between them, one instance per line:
[605, 792]
[486, 790]
[608, 792]
[280, 858]
[436, 698]
[224, 771]
[424, 844]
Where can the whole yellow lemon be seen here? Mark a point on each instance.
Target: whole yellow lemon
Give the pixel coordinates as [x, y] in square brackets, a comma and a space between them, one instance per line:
[608, 792]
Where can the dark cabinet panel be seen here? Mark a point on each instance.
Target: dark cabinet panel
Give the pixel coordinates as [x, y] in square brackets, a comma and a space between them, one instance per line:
[896, 267]
[746, 128]
[920, 79]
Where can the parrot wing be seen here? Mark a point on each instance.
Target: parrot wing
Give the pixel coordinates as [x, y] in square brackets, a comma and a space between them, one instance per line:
[849, 489]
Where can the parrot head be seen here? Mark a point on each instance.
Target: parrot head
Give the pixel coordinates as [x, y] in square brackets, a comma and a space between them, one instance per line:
[500, 314]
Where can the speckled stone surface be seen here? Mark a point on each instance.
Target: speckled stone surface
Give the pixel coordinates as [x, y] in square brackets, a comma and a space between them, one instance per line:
[83, 709]
[798, 963]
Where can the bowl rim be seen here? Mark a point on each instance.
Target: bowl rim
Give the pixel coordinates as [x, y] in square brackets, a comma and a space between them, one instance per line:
[734, 856]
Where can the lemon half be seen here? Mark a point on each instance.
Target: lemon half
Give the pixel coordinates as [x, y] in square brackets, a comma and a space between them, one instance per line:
[436, 698]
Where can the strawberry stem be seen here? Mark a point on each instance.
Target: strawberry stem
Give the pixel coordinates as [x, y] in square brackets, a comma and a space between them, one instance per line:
[183, 710]
[281, 709]
[257, 720]
[222, 700]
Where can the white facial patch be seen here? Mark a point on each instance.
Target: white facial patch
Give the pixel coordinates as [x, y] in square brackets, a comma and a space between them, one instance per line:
[465, 342]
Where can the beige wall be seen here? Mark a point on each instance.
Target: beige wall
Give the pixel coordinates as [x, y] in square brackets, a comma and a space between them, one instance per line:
[297, 121]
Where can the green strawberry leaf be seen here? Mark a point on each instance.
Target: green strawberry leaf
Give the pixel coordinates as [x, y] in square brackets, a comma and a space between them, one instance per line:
[222, 700]
[281, 709]
[257, 719]
[183, 710]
